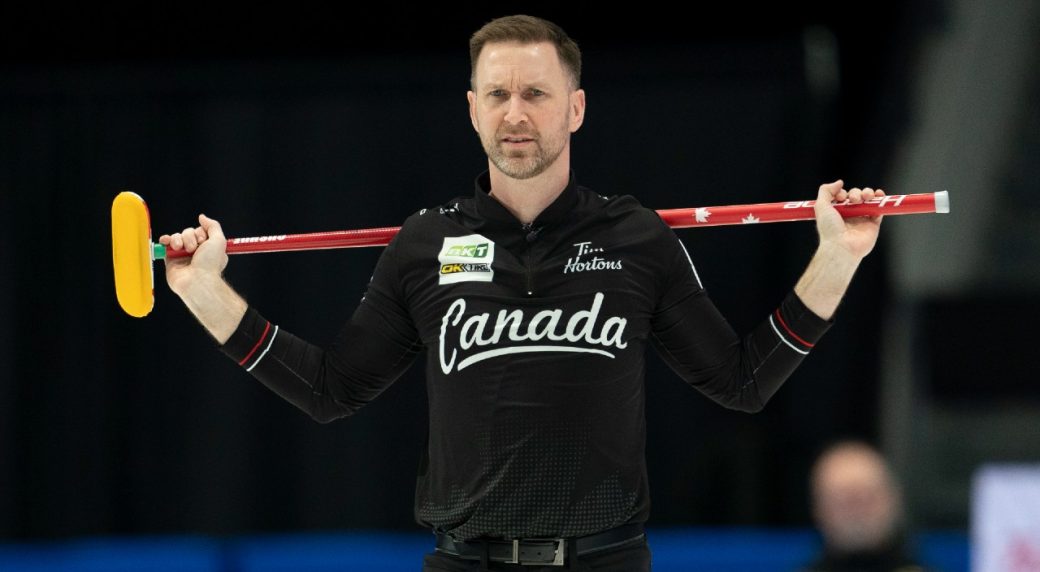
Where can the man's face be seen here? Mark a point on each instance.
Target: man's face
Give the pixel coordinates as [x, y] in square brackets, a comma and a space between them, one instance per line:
[524, 107]
[856, 505]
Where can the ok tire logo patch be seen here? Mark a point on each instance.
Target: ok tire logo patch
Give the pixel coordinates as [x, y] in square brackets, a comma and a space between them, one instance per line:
[466, 259]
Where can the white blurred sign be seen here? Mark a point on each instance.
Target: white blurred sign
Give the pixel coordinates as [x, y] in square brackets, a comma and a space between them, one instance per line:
[1005, 519]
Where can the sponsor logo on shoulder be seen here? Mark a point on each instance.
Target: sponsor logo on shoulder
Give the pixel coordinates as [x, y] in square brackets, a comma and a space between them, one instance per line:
[466, 259]
[442, 210]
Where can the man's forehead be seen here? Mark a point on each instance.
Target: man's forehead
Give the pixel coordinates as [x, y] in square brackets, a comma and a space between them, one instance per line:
[502, 63]
[853, 466]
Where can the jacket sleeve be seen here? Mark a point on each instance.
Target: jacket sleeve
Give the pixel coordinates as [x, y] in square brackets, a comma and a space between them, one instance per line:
[698, 344]
[372, 350]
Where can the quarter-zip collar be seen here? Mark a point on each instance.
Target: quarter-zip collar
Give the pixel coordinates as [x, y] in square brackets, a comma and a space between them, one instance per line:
[496, 214]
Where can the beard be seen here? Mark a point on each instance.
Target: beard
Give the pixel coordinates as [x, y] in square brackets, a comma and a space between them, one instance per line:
[523, 163]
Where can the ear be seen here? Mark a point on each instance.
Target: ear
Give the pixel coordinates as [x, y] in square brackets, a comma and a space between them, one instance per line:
[577, 108]
[472, 98]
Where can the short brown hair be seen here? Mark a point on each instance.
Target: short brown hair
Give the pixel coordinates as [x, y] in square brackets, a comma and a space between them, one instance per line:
[527, 30]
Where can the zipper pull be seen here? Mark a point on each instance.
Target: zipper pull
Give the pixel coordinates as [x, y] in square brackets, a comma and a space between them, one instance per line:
[532, 233]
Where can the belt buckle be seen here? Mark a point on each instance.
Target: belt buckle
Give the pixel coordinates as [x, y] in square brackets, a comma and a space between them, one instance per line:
[559, 549]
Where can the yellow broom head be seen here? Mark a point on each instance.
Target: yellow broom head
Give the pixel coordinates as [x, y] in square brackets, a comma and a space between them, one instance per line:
[131, 254]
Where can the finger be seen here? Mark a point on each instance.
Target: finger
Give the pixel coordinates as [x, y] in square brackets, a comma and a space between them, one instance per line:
[200, 235]
[188, 236]
[164, 240]
[856, 195]
[879, 193]
[176, 242]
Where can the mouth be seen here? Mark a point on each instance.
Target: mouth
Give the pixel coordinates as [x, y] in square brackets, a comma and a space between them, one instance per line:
[517, 140]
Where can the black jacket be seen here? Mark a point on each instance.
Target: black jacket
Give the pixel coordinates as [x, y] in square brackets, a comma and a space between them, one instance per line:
[535, 338]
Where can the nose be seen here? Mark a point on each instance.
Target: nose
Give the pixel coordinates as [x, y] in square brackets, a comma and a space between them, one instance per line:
[516, 113]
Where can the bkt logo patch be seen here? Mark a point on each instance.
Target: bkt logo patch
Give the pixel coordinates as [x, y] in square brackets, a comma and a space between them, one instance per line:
[466, 259]
[469, 250]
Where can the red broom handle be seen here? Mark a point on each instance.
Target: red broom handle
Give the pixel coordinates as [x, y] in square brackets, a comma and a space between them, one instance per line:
[676, 218]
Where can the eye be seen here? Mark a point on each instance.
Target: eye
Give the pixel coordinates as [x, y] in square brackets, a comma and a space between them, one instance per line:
[535, 92]
[497, 93]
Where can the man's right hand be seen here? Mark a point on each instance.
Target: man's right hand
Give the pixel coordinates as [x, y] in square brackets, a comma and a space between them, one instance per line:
[208, 247]
[197, 279]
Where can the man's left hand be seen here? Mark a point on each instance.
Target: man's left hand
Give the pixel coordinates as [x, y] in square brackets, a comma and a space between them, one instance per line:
[856, 236]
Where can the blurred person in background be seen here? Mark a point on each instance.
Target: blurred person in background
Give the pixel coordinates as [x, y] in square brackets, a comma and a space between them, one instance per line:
[858, 509]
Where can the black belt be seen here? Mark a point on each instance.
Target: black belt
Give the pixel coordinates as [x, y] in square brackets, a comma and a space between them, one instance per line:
[541, 551]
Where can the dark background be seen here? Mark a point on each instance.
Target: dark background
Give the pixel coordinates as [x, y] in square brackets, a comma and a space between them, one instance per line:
[279, 122]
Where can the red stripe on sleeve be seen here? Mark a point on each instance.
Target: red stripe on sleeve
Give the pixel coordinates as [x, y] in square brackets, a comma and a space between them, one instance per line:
[258, 342]
[789, 331]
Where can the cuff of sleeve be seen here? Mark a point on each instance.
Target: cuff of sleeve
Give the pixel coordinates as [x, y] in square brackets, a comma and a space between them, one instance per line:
[799, 323]
[252, 332]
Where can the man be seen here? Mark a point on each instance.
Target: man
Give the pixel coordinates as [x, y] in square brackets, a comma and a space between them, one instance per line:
[858, 507]
[534, 300]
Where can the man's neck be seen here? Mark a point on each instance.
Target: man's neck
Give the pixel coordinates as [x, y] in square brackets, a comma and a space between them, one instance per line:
[527, 198]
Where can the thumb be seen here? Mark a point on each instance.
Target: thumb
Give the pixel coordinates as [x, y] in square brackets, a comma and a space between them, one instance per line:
[212, 228]
[829, 191]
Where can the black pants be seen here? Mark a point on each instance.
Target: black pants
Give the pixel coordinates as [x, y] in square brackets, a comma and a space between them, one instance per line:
[631, 558]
